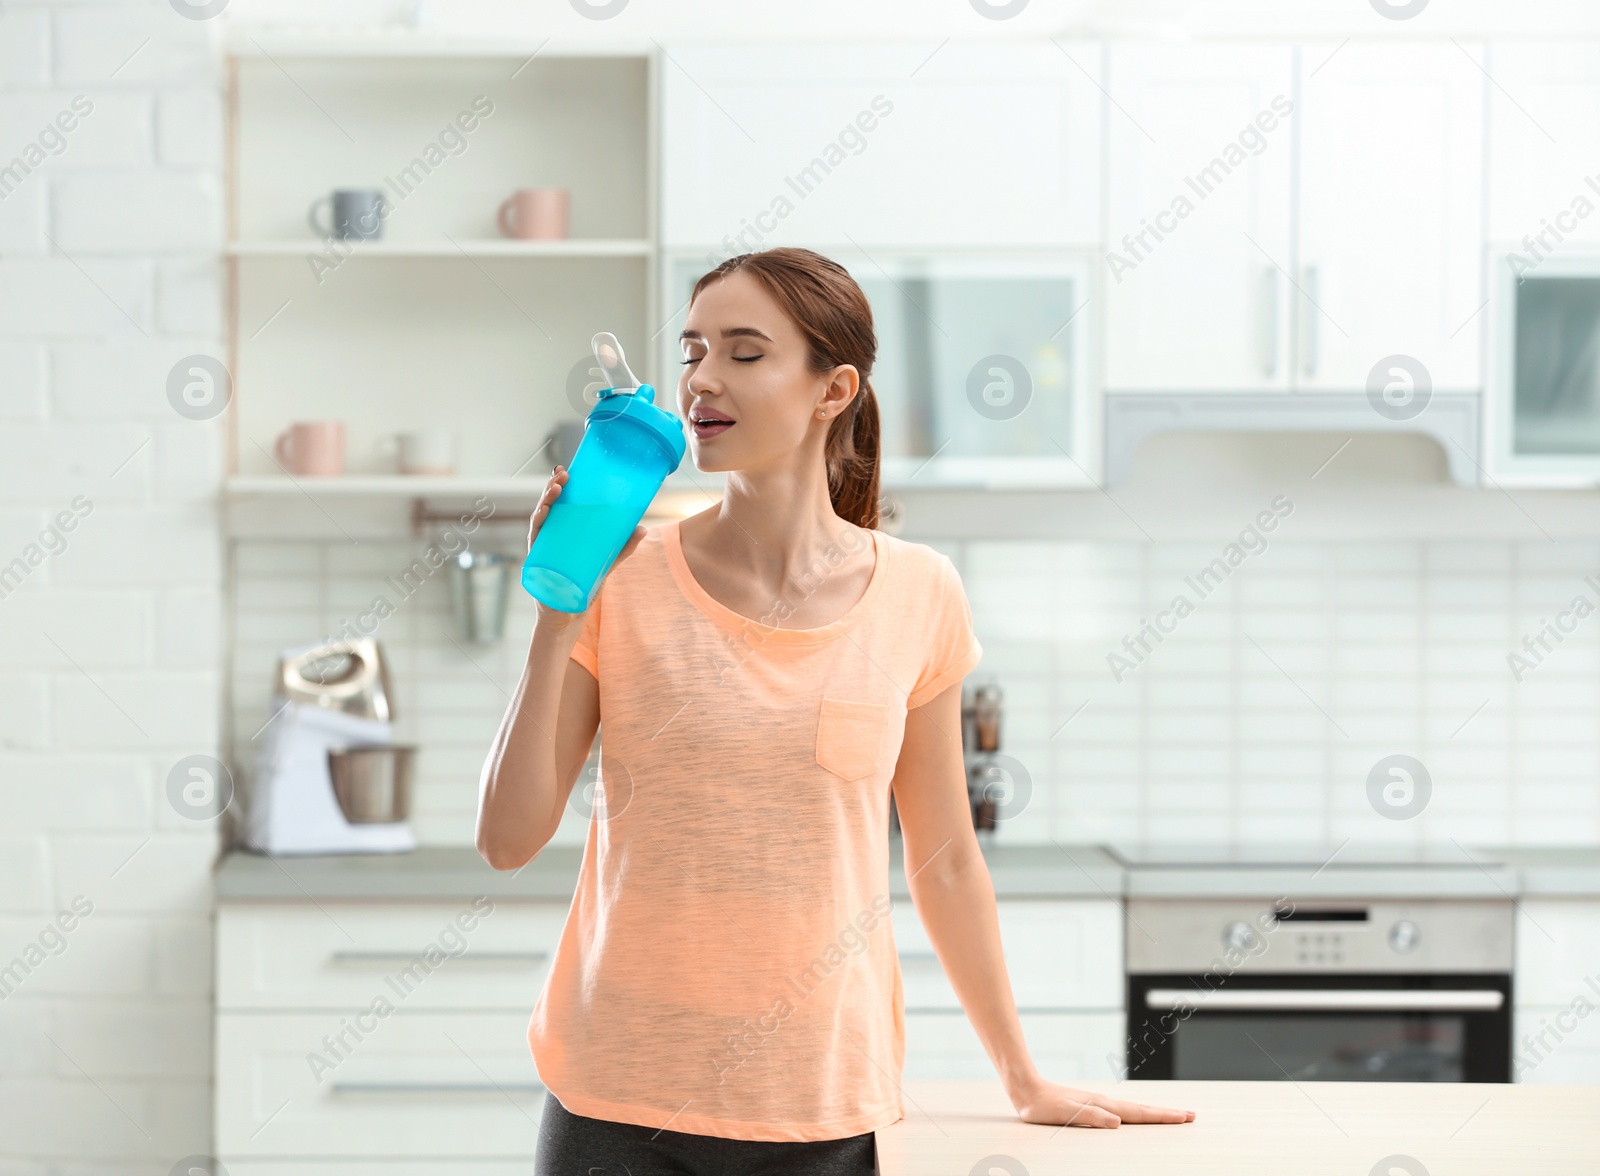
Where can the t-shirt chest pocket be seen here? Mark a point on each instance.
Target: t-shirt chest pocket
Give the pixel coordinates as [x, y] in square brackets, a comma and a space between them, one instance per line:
[850, 737]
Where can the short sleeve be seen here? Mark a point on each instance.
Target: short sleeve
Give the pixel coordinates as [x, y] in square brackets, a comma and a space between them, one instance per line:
[587, 650]
[953, 651]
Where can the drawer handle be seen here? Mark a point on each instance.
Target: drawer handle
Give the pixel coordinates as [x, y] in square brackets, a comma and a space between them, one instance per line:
[434, 1087]
[367, 959]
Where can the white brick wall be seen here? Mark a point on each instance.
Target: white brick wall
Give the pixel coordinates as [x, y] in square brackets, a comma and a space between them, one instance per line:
[111, 649]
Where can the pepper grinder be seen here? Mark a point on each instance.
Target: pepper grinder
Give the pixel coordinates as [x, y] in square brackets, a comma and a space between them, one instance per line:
[980, 743]
[980, 731]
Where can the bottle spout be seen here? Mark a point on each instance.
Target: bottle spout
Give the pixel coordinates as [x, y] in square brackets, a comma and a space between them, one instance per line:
[613, 364]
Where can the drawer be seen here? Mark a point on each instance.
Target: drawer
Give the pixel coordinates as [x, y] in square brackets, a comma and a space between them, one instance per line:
[416, 955]
[415, 1085]
[1068, 1047]
[1558, 946]
[1060, 955]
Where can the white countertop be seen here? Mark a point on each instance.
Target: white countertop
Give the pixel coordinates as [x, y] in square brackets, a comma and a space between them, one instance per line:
[1244, 1128]
[1061, 871]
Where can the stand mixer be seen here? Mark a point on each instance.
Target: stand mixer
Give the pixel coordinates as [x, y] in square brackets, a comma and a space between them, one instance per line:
[328, 777]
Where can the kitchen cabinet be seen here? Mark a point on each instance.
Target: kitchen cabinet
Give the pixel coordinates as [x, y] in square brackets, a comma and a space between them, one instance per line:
[1542, 408]
[1542, 116]
[983, 371]
[1068, 1047]
[1556, 1022]
[1390, 212]
[904, 143]
[313, 1074]
[1065, 963]
[333, 1041]
[419, 1084]
[1198, 242]
[1282, 218]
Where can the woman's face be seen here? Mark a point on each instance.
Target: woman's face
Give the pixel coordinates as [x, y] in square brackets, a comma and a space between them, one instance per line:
[747, 363]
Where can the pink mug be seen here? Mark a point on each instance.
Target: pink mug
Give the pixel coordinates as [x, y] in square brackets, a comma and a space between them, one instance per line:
[534, 214]
[313, 449]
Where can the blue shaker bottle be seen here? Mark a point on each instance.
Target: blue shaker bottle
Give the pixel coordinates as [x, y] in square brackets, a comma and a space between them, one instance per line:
[629, 447]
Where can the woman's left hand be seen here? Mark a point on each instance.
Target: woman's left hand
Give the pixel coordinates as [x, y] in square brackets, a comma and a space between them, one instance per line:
[1061, 1105]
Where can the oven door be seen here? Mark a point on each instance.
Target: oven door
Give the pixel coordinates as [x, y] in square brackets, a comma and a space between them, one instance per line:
[1321, 1028]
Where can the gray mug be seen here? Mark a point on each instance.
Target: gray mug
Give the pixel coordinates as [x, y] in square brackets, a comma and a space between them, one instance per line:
[357, 214]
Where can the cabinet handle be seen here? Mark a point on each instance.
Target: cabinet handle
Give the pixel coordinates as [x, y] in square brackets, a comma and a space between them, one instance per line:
[1311, 331]
[369, 959]
[381, 1088]
[1267, 323]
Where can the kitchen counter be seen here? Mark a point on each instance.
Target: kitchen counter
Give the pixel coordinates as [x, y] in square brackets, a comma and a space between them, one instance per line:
[452, 873]
[1312, 871]
[1554, 871]
[1240, 1128]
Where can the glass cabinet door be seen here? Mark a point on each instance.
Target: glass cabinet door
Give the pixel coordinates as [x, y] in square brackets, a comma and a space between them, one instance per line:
[982, 368]
[1556, 367]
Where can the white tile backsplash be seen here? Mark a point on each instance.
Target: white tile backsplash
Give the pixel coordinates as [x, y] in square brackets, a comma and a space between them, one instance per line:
[1259, 716]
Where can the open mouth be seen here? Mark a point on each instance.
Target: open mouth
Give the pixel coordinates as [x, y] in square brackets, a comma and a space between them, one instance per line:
[710, 424]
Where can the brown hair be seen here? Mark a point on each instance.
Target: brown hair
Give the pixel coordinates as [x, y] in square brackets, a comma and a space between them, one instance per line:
[836, 319]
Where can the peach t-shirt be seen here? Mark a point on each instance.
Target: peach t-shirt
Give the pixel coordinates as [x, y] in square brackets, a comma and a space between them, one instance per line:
[727, 967]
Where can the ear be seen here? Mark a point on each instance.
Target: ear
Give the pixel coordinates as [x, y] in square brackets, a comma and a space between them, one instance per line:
[844, 382]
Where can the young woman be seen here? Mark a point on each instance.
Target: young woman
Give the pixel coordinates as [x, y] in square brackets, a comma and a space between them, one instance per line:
[726, 996]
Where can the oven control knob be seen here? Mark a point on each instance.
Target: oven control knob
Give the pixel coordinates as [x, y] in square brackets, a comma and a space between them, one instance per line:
[1404, 936]
[1238, 936]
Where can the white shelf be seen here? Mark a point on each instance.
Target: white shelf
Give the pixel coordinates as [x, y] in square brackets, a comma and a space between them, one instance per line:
[475, 247]
[406, 42]
[404, 486]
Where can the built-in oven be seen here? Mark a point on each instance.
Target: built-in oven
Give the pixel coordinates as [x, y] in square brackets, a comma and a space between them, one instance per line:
[1346, 991]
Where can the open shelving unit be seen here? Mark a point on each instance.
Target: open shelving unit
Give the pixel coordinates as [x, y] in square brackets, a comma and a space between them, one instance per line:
[441, 323]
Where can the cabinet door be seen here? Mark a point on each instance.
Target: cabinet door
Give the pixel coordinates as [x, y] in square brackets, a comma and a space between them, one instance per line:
[340, 956]
[897, 143]
[1068, 1047]
[1555, 1033]
[1544, 230]
[1391, 209]
[1060, 955]
[413, 1084]
[1542, 117]
[1197, 250]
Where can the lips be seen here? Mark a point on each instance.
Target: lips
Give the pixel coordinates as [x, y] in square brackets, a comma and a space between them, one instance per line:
[709, 423]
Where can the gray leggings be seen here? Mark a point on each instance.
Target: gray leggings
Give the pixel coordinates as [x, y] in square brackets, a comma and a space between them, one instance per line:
[575, 1145]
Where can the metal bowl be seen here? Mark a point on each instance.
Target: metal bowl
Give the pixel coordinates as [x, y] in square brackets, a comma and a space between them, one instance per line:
[372, 784]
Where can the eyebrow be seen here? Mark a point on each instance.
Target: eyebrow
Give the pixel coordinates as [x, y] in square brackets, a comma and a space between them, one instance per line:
[728, 333]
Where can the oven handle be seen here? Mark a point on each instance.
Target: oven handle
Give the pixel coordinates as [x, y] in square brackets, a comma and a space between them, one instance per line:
[1329, 999]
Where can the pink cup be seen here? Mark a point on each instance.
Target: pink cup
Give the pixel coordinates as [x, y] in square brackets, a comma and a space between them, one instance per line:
[535, 214]
[312, 449]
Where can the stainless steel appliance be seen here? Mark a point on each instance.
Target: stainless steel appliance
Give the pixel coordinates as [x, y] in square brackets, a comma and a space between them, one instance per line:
[328, 776]
[1320, 990]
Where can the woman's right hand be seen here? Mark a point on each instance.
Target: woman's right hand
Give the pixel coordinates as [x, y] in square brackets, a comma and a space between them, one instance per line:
[541, 511]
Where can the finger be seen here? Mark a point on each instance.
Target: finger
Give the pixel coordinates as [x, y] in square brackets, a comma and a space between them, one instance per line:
[1089, 1115]
[1132, 1112]
[633, 541]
